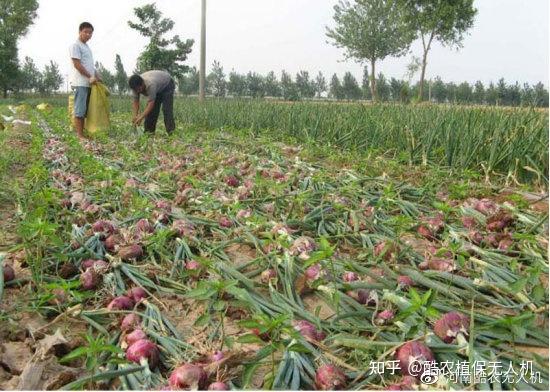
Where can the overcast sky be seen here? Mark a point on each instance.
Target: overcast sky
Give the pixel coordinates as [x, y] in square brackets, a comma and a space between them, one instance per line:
[509, 38]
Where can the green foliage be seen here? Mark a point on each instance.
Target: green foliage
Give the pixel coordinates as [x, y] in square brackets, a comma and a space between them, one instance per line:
[188, 83]
[370, 30]
[121, 78]
[15, 18]
[51, 78]
[215, 81]
[350, 87]
[160, 53]
[445, 22]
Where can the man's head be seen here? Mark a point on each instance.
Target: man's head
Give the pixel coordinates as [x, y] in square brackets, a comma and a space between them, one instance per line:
[85, 31]
[136, 83]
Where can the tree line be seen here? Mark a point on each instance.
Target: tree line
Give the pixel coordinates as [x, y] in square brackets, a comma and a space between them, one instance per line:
[347, 87]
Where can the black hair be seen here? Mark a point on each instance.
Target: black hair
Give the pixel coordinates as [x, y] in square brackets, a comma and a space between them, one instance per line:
[85, 25]
[135, 81]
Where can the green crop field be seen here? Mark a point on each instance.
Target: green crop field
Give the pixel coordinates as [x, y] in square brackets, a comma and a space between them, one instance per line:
[267, 244]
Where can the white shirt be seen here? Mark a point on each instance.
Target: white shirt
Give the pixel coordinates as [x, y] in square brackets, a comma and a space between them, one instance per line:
[81, 51]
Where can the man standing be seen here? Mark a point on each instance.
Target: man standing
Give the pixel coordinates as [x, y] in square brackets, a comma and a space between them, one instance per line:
[158, 87]
[84, 74]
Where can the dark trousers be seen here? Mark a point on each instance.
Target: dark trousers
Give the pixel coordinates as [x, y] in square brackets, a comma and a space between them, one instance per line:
[166, 99]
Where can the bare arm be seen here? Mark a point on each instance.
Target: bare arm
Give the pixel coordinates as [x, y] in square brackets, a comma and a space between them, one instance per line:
[139, 118]
[78, 65]
[135, 107]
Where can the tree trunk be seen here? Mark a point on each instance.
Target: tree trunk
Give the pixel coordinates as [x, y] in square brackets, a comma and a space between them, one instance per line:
[424, 63]
[373, 81]
[5, 93]
[422, 75]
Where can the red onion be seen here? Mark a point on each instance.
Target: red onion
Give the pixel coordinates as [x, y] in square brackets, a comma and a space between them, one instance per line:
[486, 206]
[188, 376]
[90, 279]
[129, 322]
[313, 272]
[349, 276]
[9, 273]
[137, 294]
[394, 387]
[425, 232]
[366, 297]
[302, 246]
[218, 386]
[192, 265]
[475, 236]
[492, 239]
[244, 214]
[435, 224]
[225, 222]
[144, 226]
[413, 352]
[217, 356]
[505, 244]
[267, 275]
[130, 252]
[144, 349]
[232, 181]
[131, 183]
[330, 378]
[183, 228]
[387, 250]
[384, 317]
[59, 296]
[499, 221]
[308, 330]
[121, 303]
[450, 325]
[468, 222]
[103, 226]
[87, 264]
[404, 281]
[163, 205]
[136, 335]
[437, 264]
[112, 241]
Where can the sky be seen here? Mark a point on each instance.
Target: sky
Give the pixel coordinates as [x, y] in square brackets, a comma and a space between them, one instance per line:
[509, 39]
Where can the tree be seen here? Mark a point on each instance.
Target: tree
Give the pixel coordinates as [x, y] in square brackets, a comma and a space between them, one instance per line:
[439, 90]
[491, 95]
[160, 53]
[365, 84]
[188, 84]
[479, 93]
[237, 84]
[464, 93]
[443, 21]
[336, 90]
[383, 88]
[288, 88]
[216, 80]
[51, 78]
[320, 84]
[395, 89]
[451, 92]
[271, 85]
[30, 75]
[121, 78]
[514, 95]
[540, 95]
[255, 85]
[106, 75]
[15, 18]
[370, 30]
[304, 85]
[502, 92]
[350, 87]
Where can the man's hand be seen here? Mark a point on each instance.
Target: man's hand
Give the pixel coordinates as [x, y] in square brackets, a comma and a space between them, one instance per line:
[93, 80]
[137, 120]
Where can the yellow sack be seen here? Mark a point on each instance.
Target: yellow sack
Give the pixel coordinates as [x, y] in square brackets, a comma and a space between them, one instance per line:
[97, 116]
[44, 106]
